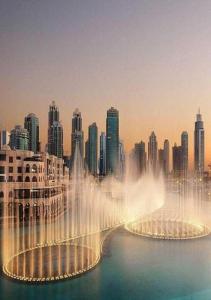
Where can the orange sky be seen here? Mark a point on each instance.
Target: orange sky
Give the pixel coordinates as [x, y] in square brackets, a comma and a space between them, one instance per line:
[151, 60]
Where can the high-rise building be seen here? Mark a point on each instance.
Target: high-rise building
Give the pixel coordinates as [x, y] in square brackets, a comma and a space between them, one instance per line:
[166, 157]
[55, 132]
[5, 138]
[184, 145]
[55, 146]
[53, 114]
[31, 123]
[152, 151]
[92, 148]
[140, 158]
[112, 141]
[161, 159]
[87, 154]
[199, 145]
[102, 160]
[19, 138]
[177, 156]
[77, 135]
[121, 160]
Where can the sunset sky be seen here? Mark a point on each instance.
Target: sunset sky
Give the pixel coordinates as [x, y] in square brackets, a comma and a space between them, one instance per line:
[149, 59]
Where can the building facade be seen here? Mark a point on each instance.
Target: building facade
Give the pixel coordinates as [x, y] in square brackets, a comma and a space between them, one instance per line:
[92, 149]
[112, 141]
[102, 159]
[77, 135]
[199, 145]
[19, 138]
[31, 123]
[152, 151]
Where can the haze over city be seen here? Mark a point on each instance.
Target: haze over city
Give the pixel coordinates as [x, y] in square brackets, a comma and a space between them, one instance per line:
[151, 61]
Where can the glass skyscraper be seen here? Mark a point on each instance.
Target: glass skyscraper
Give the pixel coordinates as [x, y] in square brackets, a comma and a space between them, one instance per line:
[31, 123]
[199, 145]
[92, 148]
[102, 161]
[112, 141]
[55, 132]
[19, 138]
[77, 135]
[184, 145]
[152, 151]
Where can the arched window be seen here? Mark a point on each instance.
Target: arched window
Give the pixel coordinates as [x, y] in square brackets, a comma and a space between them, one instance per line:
[28, 169]
[27, 179]
[1, 194]
[34, 169]
[34, 179]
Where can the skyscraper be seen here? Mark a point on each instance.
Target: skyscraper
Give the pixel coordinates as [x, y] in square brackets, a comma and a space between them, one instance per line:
[56, 139]
[5, 138]
[161, 159]
[140, 158]
[166, 157]
[121, 160]
[92, 146]
[55, 132]
[112, 141]
[102, 161]
[177, 155]
[77, 135]
[184, 145]
[152, 151]
[19, 138]
[53, 114]
[31, 123]
[199, 145]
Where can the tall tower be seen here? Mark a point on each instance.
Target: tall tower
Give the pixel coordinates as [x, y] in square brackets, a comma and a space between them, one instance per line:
[56, 139]
[121, 160]
[152, 151]
[55, 132]
[112, 141]
[102, 161]
[199, 145]
[92, 152]
[19, 138]
[177, 160]
[184, 145]
[140, 158]
[5, 138]
[166, 157]
[53, 114]
[31, 123]
[77, 135]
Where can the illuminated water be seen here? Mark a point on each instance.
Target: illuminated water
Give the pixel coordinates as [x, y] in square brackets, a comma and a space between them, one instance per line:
[134, 268]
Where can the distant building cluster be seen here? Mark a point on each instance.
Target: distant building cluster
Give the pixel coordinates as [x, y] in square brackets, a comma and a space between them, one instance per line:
[106, 155]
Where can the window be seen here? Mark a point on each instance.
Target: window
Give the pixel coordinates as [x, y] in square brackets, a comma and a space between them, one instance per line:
[18, 157]
[2, 170]
[3, 157]
[10, 159]
[10, 179]
[20, 179]
[34, 169]
[2, 179]
[27, 168]
[34, 179]
[27, 179]
[10, 169]
[19, 169]
[1, 194]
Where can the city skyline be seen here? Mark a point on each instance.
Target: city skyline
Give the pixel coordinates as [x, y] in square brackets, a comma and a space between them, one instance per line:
[77, 114]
